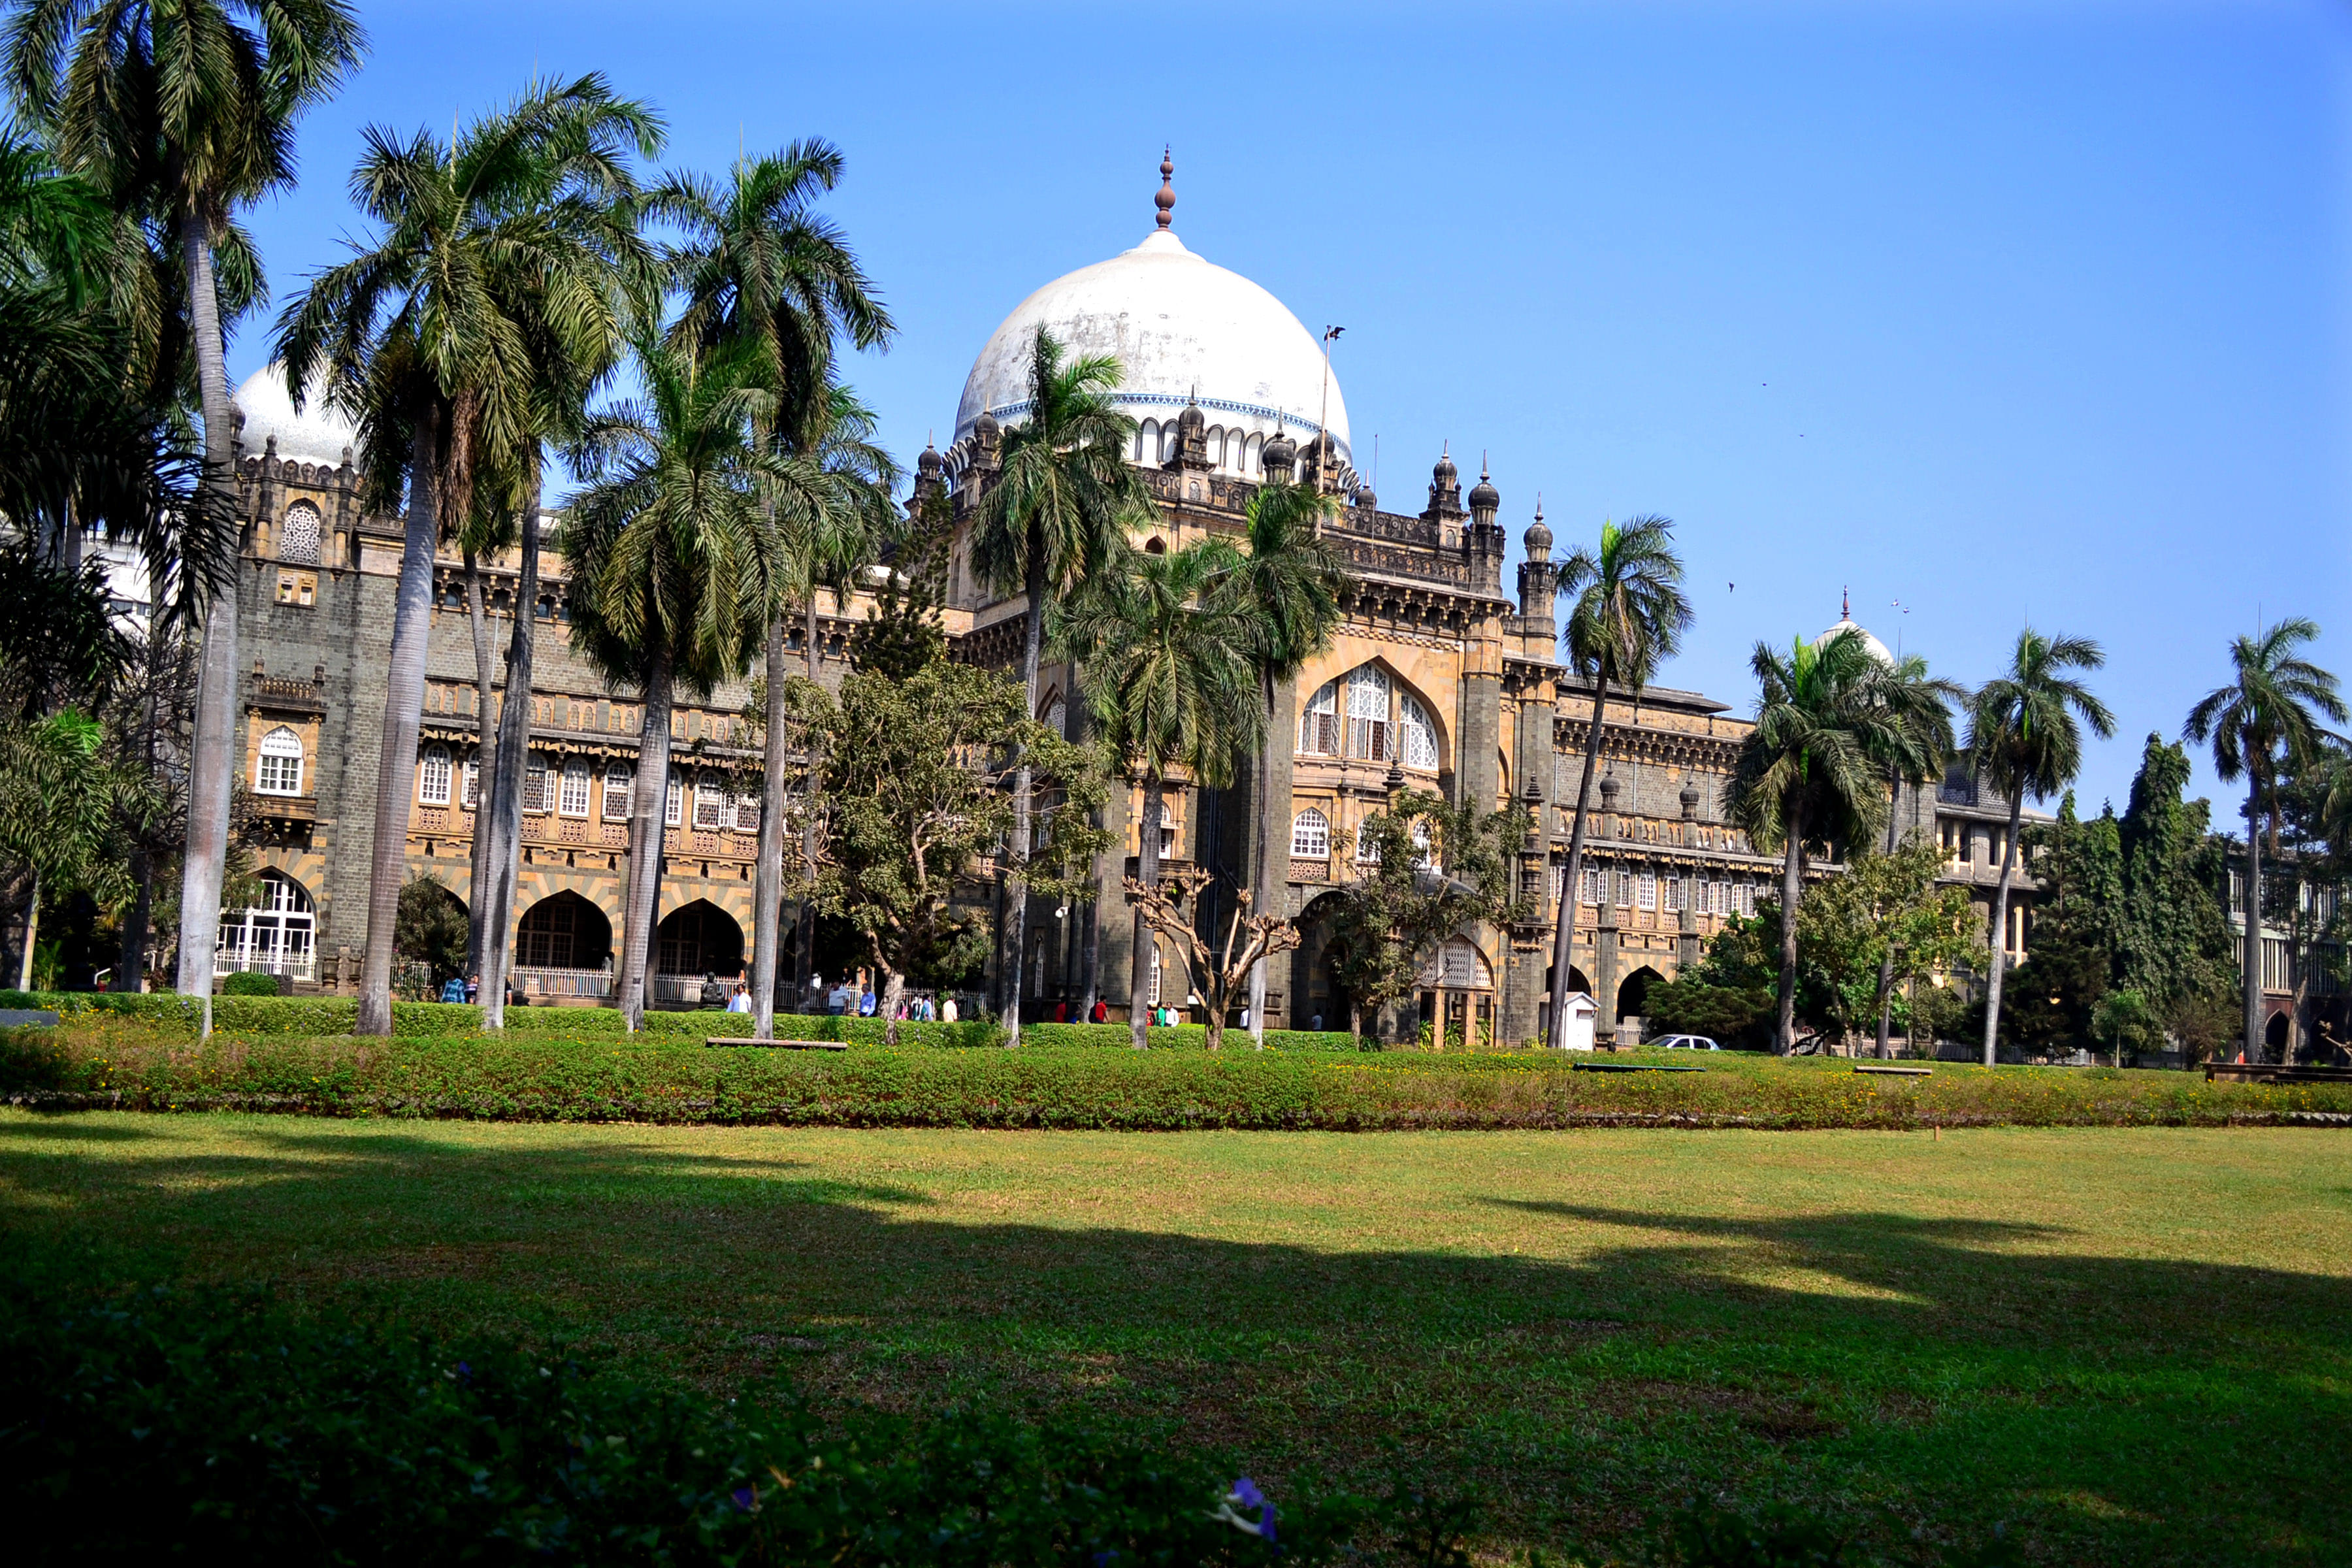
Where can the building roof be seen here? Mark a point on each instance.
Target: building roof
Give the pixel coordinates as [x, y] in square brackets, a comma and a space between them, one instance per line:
[317, 434]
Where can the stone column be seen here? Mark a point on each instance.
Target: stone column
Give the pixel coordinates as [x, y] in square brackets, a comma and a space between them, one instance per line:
[1686, 944]
[1604, 961]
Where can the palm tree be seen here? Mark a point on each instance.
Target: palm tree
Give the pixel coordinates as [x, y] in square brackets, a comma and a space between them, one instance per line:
[674, 569]
[1287, 591]
[1170, 676]
[2024, 739]
[1629, 617]
[184, 110]
[1056, 516]
[2265, 718]
[758, 266]
[1913, 752]
[1808, 775]
[470, 330]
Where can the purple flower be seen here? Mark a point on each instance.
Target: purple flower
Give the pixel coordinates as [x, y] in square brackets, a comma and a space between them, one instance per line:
[1245, 1494]
[745, 1500]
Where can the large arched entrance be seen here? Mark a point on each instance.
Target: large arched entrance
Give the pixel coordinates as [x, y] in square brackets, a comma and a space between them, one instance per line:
[564, 930]
[697, 940]
[1634, 993]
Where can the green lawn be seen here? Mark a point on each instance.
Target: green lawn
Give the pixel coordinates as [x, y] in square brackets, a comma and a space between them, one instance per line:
[2129, 1345]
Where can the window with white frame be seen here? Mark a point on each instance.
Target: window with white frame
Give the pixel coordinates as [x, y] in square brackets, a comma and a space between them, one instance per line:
[278, 769]
[433, 775]
[1590, 891]
[1673, 891]
[274, 935]
[575, 800]
[473, 796]
[747, 814]
[616, 791]
[1319, 726]
[1310, 836]
[1746, 895]
[1166, 822]
[1645, 891]
[709, 803]
[1420, 734]
[1153, 999]
[673, 805]
[1624, 889]
[535, 794]
[1367, 713]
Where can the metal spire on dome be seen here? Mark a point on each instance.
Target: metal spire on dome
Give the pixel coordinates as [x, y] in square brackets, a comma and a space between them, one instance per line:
[1166, 200]
[1845, 604]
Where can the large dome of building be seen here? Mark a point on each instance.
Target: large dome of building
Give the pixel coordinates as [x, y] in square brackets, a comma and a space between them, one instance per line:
[1182, 329]
[317, 434]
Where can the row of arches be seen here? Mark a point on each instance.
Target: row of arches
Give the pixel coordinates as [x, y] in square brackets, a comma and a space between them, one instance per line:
[1231, 451]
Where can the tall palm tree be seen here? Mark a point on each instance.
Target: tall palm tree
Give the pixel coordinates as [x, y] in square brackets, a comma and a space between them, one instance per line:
[1808, 775]
[757, 264]
[1629, 617]
[674, 569]
[1169, 675]
[1287, 590]
[468, 331]
[184, 110]
[2265, 718]
[2024, 738]
[1913, 752]
[1056, 515]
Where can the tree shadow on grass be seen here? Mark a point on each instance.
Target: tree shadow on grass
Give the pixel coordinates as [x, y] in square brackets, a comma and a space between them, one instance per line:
[1901, 1372]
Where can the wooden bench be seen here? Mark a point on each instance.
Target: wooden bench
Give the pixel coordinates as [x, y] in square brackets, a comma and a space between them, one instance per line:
[2275, 1072]
[1635, 1067]
[777, 1044]
[1895, 1071]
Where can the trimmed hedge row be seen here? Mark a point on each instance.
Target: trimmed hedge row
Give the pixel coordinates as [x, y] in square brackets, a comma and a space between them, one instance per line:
[317, 1016]
[607, 1079]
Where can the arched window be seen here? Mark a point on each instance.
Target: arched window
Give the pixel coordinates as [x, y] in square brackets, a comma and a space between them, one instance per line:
[616, 791]
[298, 536]
[1167, 823]
[1419, 734]
[278, 769]
[575, 800]
[1250, 450]
[1146, 441]
[534, 786]
[674, 806]
[1057, 715]
[274, 935]
[1367, 713]
[709, 803]
[433, 775]
[1319, 726]
[1310, 836]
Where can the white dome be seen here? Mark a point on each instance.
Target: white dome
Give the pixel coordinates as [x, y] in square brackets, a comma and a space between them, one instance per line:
[1180, 327]
[317, 434]
[1876, 649]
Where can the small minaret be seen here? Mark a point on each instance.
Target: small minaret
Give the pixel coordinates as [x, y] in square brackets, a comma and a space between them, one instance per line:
[1483, 540]
[1444, 490]
[1538, 576]
[1280, 454]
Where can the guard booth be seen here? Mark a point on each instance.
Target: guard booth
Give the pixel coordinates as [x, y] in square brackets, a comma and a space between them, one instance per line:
[1582, 1012]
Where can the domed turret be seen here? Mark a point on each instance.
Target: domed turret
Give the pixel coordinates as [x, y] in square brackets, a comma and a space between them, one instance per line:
[1191, 418]
[930, 463]
[1484, 499]
[1445, 488]
[1538, 538]
[1280, 455]
[1366, 500]
[1445, 474]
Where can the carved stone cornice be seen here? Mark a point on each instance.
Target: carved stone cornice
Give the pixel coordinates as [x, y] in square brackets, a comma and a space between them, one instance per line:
[1646, 743]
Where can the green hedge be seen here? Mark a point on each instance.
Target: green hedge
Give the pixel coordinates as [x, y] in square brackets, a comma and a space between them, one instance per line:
[599, 1077]
[1193, 1037]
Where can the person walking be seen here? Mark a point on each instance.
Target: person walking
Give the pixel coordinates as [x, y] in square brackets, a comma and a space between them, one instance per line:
[948, 1011]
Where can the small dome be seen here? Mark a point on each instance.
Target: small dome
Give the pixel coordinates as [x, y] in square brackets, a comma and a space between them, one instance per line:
[1445, 473]
[929, 462]
[1366, 498]
[1539, 538]
[1877, 649]
[1690, 795]
[985, 427]
[1191, 418]
[1484, 495]
[317, 434]
[1281, 451]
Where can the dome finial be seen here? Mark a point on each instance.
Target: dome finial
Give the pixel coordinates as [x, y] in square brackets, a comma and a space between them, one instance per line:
[1845, 604]
[1166, 200]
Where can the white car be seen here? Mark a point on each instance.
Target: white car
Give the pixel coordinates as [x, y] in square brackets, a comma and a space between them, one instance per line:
[1686, 1043]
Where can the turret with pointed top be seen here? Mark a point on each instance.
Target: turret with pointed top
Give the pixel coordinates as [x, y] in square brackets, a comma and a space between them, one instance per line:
[1445, 489]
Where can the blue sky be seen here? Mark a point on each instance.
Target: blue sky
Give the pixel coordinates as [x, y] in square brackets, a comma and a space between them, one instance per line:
[1999, 311]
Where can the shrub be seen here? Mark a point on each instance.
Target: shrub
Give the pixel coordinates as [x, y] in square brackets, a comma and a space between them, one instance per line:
[247, 984]
[218, 1428]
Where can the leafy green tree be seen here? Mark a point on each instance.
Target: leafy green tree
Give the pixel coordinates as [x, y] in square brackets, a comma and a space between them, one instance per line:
[1885, 921]
[1169, 677]
[184, 111]
[2126, 1021]
[1628, 619]
[2025, 738]
[904, 632]
[61, 806]
[1914, 750]
[465, 333]
[1427, 868]
[2172, 934]
[2267, 718]
[1289, 586]
[910, 802]
[760, 267]
[673, 569]
[1808, 775]
[2076, 935]
[431, 931]
[1056, 518]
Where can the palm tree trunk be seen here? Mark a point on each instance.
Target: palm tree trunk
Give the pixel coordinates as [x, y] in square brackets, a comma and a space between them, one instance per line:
[807, 922]
[1564, 930]
[485, 745]
[1273, 817]
[2252, 990]
[1017, 884]
[1147, 871]
[213, 761]
[32, 931]
[768, 878]
[131, 966]
[648, 809]
[505, 813]
[1792, 887]
[2000, 944]
[403, 699]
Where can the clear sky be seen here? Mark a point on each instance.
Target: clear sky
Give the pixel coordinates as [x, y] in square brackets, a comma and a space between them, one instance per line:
[1997, 311]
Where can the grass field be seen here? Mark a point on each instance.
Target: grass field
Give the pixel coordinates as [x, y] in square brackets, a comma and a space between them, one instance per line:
[2125, 1346]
